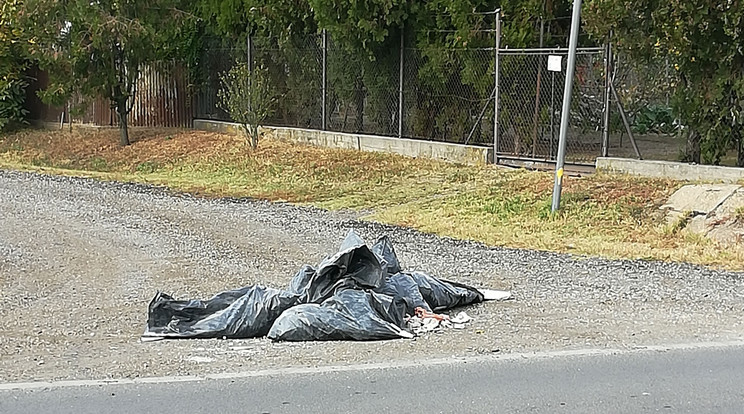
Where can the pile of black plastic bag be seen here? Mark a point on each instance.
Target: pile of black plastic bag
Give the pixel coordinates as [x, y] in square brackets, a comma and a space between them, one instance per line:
[359, 293]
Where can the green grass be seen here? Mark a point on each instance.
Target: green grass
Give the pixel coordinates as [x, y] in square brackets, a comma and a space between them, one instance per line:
[612, 216]
[739, 214]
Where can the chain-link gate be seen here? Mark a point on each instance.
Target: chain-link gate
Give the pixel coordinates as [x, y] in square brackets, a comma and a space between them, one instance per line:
[530, 102]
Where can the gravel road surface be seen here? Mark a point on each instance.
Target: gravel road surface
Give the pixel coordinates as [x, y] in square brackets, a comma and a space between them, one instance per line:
[80, 260]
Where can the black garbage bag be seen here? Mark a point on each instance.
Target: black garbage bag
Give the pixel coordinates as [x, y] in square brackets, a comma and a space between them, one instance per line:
[241, 313]
[358, 293]
[300, 283]
[384, 251]
[354, 266]
[348, 315]
[443, 294]
[402, 285]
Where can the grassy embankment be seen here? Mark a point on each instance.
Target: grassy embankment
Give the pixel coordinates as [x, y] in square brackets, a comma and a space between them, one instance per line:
[601, 215]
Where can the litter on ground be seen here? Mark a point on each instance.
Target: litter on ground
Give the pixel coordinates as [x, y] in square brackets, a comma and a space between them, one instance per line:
[358, 293]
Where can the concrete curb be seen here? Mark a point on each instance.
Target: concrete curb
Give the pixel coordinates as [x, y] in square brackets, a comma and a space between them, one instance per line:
[671, 170]
[456, 153]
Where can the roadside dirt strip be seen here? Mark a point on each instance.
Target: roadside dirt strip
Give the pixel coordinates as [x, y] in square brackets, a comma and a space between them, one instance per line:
[81, 259]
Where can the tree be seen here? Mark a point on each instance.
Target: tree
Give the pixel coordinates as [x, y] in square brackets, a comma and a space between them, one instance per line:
[97, 48]
[363, 59]
[281, 19]
[439, 31]
[248, 97]
[702, 41]
[13, 83]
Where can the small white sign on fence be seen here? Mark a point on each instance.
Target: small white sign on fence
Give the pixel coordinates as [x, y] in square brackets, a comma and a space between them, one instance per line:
[554, 63]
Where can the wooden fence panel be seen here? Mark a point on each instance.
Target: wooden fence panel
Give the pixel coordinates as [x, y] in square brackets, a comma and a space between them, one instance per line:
[162, 99]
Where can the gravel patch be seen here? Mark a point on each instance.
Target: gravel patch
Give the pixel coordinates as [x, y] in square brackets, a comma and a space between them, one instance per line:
[80, 260]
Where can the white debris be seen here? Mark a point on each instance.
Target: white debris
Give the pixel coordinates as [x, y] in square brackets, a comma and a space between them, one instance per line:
[200, 359]
[489, 294]
[437, 323]
[461, 318]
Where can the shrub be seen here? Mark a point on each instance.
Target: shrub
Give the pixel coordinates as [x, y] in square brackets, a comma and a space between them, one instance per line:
[248, 96]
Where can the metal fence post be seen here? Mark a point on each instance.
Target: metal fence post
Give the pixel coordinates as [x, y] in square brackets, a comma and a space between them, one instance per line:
[249, 57]
[400, 83]
[607, 92]
[249, 50]
[496, 66]
[535, 118]
[325, 79]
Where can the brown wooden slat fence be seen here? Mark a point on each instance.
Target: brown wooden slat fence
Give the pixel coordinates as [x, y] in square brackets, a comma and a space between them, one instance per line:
[162, 99]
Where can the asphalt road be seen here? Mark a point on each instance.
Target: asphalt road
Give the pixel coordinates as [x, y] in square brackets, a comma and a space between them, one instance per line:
[702, 380]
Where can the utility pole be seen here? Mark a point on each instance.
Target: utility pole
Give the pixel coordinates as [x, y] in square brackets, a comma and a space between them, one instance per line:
[565, 111]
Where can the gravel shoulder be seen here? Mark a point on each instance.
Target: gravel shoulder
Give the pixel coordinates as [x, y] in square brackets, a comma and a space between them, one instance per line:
[80, 260]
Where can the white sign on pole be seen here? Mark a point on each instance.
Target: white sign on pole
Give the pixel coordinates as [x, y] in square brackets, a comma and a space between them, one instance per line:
[554, 63]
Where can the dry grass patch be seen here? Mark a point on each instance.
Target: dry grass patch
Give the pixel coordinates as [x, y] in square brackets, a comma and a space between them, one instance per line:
[601, 214]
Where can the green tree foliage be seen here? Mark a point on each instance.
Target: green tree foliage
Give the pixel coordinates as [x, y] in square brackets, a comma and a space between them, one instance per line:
[438, 32]
[13, 83]
[281, 19]
[98, 48]
[363, 57]
[703, 42]
[281, 32]
[249, 97]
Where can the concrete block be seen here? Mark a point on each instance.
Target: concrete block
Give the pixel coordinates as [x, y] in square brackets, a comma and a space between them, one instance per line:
[673, 217]
[464, 154]
[215, 126]
[697, 225]
[730, 205]
[730, 232]
[700, 199]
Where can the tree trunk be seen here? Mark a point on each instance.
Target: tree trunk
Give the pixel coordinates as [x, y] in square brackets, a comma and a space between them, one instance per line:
[692, 148]
[247, 130]
[124, 132]
[120, 102]
[740, 155]
[254, 136]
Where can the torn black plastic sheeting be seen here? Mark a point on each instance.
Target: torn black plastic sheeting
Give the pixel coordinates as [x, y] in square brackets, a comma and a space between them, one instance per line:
[358, 293]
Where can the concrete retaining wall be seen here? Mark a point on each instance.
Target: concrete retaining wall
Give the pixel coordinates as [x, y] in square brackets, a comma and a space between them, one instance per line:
[463, 154]
[672, 170]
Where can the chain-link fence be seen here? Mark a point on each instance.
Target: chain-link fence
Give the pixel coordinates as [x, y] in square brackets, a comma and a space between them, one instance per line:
[215, 60]
[295, 71]
[448, 95]
[442, 94]
[362, 94]
[644, 89]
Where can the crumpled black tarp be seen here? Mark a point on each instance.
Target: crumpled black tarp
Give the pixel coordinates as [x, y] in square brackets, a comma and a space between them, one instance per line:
[240, 313]
[404, 286]
[358, 293]
[384, 250]
[350, 314]
[442, 295]
[353, 267]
